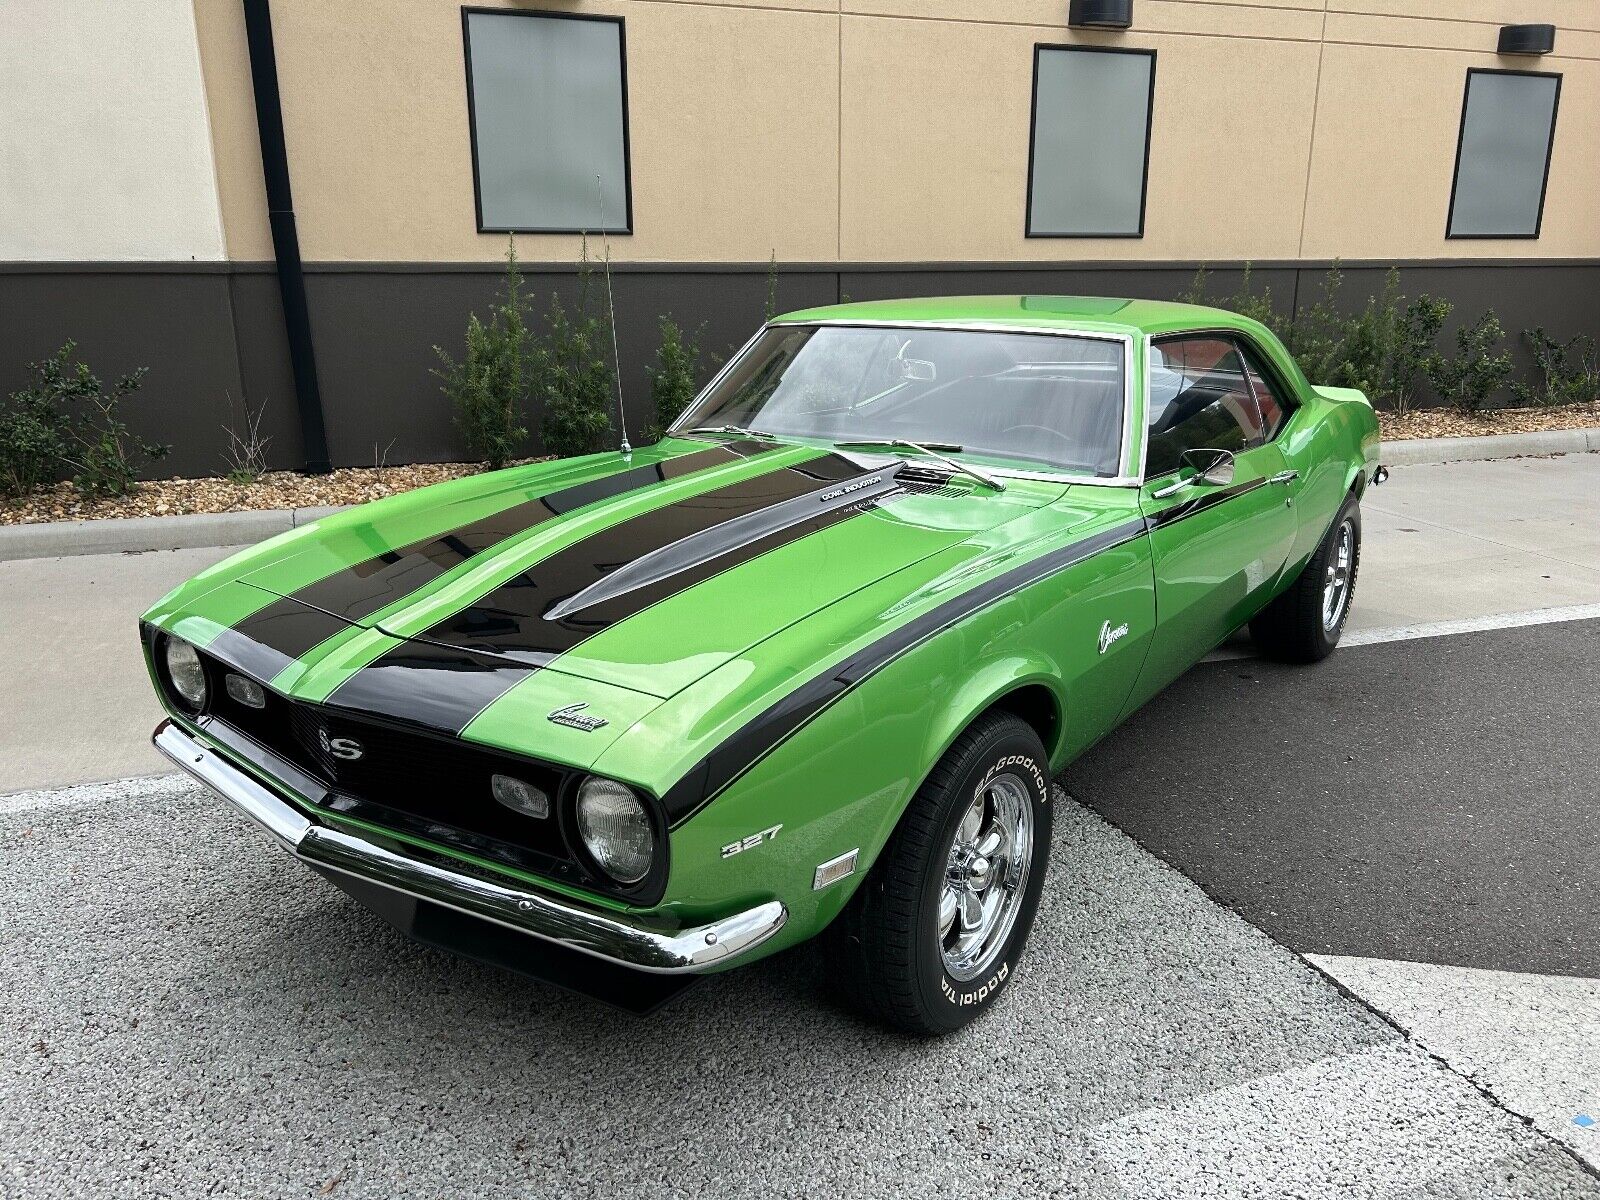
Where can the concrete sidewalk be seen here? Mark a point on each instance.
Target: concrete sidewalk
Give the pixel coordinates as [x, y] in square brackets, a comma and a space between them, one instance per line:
[1441, 542]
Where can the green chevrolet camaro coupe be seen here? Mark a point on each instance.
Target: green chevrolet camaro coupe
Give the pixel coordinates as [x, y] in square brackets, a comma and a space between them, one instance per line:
[805, 666]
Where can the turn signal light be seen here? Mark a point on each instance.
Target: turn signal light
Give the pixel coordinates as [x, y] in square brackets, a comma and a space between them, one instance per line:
[520, 796]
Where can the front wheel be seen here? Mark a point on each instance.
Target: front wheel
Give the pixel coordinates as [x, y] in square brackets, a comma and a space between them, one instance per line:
[1304, 624]
[933, 936]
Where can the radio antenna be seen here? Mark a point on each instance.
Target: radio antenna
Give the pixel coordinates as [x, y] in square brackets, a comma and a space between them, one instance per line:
[611, 306]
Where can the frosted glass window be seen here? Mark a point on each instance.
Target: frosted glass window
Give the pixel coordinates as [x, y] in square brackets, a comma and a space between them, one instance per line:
[1091, 142]
[548, 100]
[1507, 122]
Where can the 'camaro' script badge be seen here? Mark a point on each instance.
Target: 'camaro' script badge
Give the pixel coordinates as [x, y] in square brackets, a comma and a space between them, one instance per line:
[572, 716]
[346, 748]
[1109, 635]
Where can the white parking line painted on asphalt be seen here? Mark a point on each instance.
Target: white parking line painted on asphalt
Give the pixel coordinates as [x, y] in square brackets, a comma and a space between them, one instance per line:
[1429, 629]
[1510, 620]
[91, 795]
[1289, 1134]
[1532, 1041]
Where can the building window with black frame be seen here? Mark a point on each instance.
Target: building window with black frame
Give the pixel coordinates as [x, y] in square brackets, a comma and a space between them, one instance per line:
[1508, 128]
[1089, 148]
[547, 99]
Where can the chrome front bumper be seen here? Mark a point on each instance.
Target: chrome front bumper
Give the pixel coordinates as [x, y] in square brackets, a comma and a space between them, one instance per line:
[629, 942]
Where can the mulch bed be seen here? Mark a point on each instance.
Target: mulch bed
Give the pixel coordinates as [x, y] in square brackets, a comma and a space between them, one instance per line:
[1446, 422]
[276, 489]
[356, 485]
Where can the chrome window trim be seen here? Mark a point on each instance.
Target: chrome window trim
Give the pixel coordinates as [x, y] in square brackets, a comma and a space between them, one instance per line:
[1121, 479]
[1249, 342]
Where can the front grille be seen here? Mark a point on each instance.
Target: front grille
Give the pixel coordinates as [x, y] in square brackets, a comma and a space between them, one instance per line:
[410, 781]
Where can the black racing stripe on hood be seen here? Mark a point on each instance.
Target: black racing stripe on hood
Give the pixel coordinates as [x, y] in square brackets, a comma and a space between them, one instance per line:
[423, 683]
[770, 729]
[292, 625]
[505, 637]
[511, 621]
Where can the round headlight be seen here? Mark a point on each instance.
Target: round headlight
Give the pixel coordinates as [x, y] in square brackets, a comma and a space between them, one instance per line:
[184, 670]
[616, 829]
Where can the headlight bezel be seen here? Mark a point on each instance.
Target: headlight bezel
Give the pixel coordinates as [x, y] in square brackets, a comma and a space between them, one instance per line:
[163, 653]
[653, 876]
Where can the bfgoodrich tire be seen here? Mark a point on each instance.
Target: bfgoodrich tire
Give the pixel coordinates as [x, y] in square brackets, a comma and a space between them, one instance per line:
[1304, 624]
[932, 939]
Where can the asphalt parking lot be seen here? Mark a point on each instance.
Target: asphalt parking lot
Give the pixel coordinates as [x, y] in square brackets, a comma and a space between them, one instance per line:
[1319, 932]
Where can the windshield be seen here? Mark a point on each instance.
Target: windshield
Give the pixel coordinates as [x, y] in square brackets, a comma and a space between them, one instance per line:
[1026, 399]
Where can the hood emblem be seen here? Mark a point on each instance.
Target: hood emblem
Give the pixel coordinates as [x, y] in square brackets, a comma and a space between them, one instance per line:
[1109, 635]
[346, 748]
[572, 717]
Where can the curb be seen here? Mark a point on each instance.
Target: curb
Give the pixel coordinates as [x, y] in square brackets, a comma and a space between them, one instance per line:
[1419, 452]
[137, 535]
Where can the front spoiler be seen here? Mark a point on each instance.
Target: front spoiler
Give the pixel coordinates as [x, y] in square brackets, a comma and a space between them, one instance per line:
[626, 941]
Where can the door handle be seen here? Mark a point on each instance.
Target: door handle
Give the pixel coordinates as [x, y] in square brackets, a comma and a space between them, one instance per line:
[1284, 477]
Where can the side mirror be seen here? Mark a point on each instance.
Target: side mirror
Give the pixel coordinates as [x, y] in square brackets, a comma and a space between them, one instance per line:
[1214, 467]
[1210, 466]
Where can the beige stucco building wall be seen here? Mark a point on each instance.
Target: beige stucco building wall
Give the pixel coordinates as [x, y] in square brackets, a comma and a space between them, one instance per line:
[897, 130]
[105, 148]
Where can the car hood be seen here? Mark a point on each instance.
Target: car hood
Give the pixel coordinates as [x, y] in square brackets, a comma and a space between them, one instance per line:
[643, 576]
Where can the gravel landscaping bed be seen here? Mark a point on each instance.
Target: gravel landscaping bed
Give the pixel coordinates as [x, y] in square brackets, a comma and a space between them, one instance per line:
[355, 485]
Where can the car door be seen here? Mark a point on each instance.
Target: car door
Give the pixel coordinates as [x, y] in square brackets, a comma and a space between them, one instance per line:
[1217, 549]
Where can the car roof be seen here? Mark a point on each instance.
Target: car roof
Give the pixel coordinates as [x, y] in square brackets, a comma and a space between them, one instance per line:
[1098, 314]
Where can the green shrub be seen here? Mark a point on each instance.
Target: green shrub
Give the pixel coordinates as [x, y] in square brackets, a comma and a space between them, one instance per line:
[68, 422]
[1384, 349]
[1246, 301]
[673, 377]
[33, 439]
[1568, 371]
[1477, 371]
[488, 388]
[575, 377]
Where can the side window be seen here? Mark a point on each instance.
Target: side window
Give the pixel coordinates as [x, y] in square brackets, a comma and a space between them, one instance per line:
[1273, 410]
[1198, 398]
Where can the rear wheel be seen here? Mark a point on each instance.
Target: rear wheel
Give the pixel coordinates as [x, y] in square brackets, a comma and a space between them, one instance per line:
[1305, 623]
[934, 934]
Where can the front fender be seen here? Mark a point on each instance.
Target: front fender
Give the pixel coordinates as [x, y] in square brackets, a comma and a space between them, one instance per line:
[844, 779]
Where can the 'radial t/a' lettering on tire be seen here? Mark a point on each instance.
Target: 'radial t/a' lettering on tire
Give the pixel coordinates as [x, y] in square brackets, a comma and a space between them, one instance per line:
[933, 937]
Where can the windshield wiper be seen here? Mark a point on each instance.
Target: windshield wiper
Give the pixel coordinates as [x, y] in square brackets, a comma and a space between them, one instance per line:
[935, 451]
[734, 430]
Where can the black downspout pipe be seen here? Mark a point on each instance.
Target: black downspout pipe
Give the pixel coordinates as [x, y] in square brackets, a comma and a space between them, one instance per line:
[285, 238]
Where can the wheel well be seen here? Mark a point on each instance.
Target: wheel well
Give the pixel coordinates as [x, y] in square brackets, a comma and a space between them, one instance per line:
[1036, 705]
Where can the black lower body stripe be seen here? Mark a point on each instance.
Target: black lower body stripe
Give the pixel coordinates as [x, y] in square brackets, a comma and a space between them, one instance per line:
[770, 729]
[294, 624]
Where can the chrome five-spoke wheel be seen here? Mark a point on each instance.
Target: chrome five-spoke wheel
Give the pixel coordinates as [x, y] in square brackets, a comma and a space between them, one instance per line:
[986, 876]
[1336, 580]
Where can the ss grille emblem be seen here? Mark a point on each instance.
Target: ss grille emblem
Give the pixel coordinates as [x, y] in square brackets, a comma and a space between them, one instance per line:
[346, 748]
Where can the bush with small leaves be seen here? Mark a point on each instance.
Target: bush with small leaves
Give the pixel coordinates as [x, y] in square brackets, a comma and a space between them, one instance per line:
[575, 381]
[674, 375]
[69, 422]
[1479, 368]
[488, 388]
[1569, 372]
